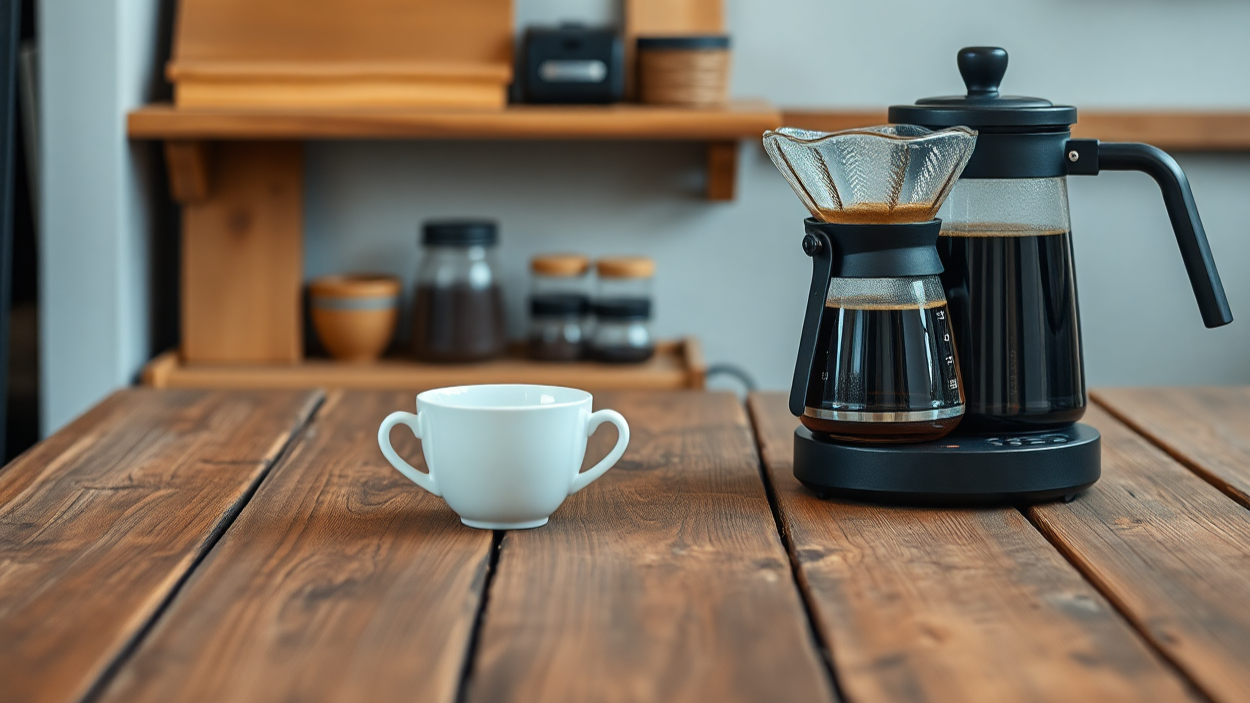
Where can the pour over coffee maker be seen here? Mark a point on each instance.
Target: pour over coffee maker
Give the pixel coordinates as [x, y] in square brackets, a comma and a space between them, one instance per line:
[877, 362]
[1005, 262]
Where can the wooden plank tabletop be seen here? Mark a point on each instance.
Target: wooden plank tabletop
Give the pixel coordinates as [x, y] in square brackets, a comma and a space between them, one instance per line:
[340, 583]
[665, 580]
[100, 523]
[957, 604]
[247, 546]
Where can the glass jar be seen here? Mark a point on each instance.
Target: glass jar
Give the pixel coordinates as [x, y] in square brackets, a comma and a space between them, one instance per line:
[556, 327]
[458, 314]
[559, 301]
[622, 331]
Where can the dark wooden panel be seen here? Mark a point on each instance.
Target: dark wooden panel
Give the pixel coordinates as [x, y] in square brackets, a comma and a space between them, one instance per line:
[664, 580]
[1170, 550]
[1207, 429]
[342, 581]
[99, 523]
[959, 605]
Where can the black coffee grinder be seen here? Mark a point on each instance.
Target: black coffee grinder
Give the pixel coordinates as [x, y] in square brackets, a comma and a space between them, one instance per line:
[880, 340]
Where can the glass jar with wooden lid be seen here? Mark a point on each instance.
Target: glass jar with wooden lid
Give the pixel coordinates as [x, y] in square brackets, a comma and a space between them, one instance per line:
[559, 301]
[622, 310]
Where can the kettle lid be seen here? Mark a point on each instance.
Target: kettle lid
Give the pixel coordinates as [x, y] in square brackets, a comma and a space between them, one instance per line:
[982, 68]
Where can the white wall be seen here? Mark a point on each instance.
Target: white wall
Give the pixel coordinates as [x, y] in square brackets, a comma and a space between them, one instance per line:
[733, 273]
[96, 63]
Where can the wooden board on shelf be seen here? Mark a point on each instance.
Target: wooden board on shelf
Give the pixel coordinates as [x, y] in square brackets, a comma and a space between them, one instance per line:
[1213, 130]
[230, 53]
[675, 365]
[740, 119]
[355, 85]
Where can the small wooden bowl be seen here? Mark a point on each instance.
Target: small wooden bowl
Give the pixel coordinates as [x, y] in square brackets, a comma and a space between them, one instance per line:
[355, 315]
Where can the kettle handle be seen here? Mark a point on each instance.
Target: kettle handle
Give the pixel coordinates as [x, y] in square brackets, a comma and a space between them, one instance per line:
[817, 245]
[1089, 156]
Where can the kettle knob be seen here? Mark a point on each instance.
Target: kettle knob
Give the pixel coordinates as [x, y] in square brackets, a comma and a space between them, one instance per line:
[982, 68]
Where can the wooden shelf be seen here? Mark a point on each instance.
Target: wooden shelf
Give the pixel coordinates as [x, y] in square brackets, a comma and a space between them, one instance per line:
[739, 120]
[675, 365]
[1176, 130]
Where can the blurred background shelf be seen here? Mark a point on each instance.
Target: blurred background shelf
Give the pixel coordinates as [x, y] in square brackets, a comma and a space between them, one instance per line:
[742, 119]
[1177, 130]
[676, 364]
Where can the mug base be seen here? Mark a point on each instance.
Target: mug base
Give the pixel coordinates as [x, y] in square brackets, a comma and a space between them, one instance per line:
[528, 525]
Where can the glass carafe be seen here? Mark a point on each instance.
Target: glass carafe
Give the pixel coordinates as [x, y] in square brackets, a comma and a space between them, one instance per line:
[1007, 250]
[878, 360]
[885, 363]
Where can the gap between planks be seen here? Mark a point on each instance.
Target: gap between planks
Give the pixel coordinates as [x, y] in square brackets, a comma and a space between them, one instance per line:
[1193, 465]
[292, 439]
[823, 647]
[933, 681]
[470, 651]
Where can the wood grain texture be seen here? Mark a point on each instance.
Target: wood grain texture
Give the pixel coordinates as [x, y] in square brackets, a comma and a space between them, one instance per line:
[342, 581]
[722, 170]
[663, 580]
[743, 119]
[336, 31]
[1206, 429]
[100, 522]
[293, 92]
[382, 53]
[243, 260]
[1170, 550]
[676, 365]
[189, 170]
[961, 605]
[1167, 129]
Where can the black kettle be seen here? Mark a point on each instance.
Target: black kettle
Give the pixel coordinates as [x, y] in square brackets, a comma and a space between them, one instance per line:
[1006, 247]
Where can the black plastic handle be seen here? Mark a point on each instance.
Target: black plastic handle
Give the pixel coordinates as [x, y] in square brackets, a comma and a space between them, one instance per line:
[816, 244]
[1089, 156]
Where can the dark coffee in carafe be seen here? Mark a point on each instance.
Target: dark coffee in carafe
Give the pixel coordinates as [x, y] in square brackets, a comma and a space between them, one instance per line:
[1012, 296]
[884, 373]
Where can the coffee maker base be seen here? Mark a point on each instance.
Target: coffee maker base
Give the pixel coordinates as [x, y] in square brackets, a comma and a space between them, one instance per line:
[959, 469]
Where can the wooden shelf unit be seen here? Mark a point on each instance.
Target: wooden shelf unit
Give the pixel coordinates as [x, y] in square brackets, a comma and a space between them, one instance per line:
[1176, 130]
[676, 365]
[238, 173]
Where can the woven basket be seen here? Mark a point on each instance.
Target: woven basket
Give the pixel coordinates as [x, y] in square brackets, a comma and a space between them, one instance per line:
[697, 77]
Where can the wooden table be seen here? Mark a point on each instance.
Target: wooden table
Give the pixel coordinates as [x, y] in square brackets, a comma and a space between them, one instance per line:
[255, 546]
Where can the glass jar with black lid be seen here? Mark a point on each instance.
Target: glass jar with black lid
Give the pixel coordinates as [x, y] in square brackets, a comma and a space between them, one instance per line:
[458, 313]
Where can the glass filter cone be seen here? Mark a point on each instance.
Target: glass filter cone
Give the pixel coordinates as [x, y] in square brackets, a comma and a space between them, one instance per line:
[892, 173]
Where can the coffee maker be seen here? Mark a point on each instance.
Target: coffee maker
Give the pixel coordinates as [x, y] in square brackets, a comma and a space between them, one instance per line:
[1001, 246]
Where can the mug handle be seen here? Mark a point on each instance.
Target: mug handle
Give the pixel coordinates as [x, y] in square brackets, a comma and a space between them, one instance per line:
[426, 481]
[592, 423]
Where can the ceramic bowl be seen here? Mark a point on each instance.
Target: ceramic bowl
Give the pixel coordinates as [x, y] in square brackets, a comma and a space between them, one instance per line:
[355, 315]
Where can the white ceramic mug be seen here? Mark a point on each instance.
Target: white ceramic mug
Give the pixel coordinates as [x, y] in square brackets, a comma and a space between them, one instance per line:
[503, 457]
